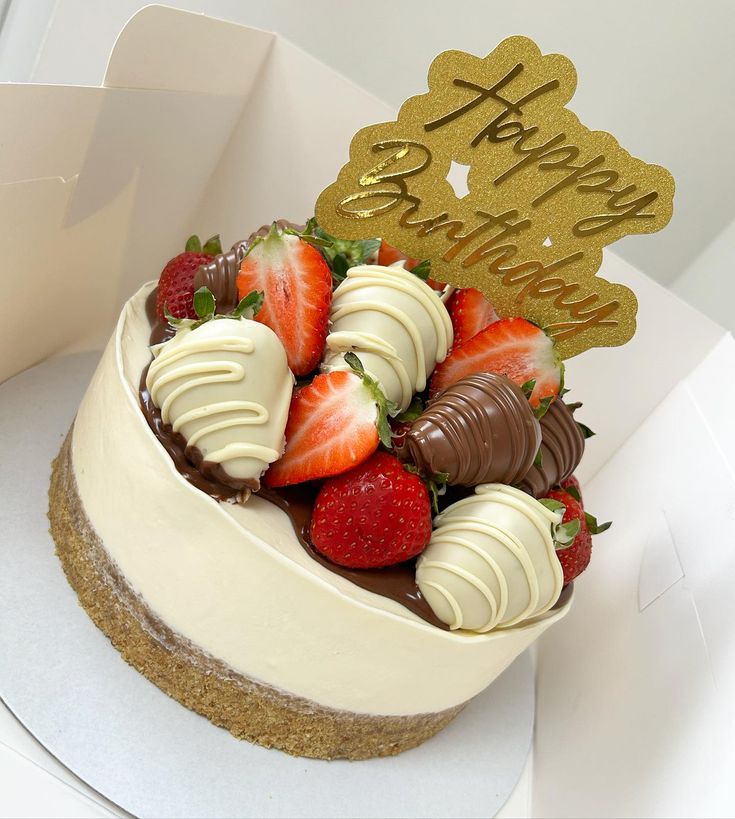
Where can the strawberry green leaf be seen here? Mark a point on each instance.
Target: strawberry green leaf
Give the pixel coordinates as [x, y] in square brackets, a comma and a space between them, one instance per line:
[573, 491]
[552, 505]
[340, 266]
[565, 533]
[213, 246]
[355, 363]
[252, 302]
[543, 406]
[351, 251]
[412, 412]
[204, 303]
[422, 270]
[528, 387]
[385, 433]
[586, 431]
[593, 526]
[538, 461]
[193, 244]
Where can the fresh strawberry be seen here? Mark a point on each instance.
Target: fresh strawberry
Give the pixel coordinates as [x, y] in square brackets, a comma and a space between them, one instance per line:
[375, 515]
[388, 255]
[470, 312]
[575, 554]
[334, 424]
[297, 286]
[176, 283]
[512, 347]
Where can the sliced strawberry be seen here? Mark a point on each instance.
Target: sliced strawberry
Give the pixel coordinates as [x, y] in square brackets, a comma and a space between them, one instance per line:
[470, 312]
[512, 347]
[334, 424]
[297, 287]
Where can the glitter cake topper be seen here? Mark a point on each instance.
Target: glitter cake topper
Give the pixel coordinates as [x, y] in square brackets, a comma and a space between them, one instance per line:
[546, 194]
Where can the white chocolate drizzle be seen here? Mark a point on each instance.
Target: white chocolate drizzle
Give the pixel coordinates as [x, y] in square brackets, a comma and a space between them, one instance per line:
[491, 562]
[202, 384]
[410, 305]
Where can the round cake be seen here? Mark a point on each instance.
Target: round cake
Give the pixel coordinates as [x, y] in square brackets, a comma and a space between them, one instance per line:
[299, 506]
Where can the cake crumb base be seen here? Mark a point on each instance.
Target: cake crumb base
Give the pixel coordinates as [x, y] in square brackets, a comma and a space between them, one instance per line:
[247, 708]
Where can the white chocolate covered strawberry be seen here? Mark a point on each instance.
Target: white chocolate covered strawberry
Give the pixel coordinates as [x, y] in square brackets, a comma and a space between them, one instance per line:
[223, 383]
[395, 323]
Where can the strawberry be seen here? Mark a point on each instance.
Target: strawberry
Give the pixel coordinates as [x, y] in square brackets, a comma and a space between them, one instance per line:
[176, 283]
[574, 555]
[470, 312]
[334, 424]
[512, 347]
[388, 255]
[297, 286]
[375, 515]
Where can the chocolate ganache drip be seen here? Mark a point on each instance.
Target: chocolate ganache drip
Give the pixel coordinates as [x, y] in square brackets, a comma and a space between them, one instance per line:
[220, 275]
[480, 430]
[562, 447]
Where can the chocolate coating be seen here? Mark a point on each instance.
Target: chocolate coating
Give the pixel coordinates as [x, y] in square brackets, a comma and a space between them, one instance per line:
[480, 430]
[220, 275]
[562, 447]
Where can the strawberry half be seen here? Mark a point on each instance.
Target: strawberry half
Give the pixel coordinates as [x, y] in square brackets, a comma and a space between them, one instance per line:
[512, 347]
[176, 283]
[375, 515]
[334, 424]
[470, 312]
[297, 287]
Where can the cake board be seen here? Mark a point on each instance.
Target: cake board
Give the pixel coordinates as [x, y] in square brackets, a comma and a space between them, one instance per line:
[139, 748]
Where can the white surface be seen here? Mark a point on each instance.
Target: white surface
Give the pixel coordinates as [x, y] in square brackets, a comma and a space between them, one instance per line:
[654, 697]
[139, 747]
[708, 282]
[648, 71]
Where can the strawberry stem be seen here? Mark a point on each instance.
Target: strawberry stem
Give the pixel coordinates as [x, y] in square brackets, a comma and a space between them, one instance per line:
[385, 407]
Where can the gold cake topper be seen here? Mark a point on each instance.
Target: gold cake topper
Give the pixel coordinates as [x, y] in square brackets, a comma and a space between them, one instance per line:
[546, 194]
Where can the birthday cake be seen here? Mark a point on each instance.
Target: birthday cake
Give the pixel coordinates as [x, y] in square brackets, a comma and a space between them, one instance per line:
[321, 490]
[270, 561]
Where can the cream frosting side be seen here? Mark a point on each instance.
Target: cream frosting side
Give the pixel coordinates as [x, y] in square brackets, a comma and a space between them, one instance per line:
[235, 580]
[208, 383]
[397, 325]
[491, 562]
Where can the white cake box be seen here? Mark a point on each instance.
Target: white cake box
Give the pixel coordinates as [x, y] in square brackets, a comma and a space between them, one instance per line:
[206, 126]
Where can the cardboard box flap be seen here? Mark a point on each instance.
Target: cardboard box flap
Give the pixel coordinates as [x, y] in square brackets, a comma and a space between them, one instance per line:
[162, 48]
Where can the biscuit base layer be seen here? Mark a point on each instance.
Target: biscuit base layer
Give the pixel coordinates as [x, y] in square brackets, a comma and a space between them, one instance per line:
[248, 709]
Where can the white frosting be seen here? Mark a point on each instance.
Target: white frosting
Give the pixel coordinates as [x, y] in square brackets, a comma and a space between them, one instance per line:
[209, 385]
[235, 580]
[397, 325]
[491, 562]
